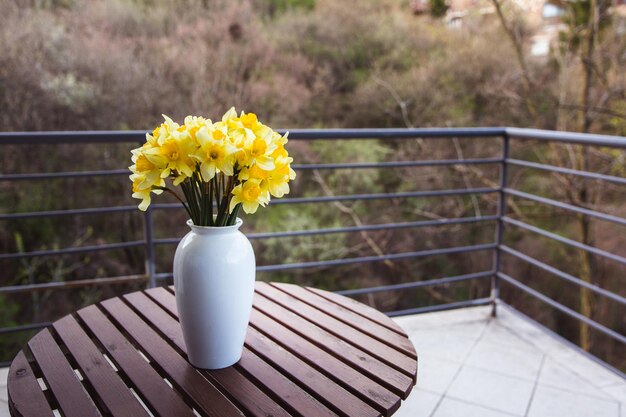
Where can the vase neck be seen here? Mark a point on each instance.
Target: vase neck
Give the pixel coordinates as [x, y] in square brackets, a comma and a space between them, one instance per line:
[215, 230]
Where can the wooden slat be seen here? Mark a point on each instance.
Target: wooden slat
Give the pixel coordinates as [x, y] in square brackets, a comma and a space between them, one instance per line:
[60, 377]
[247, 393]
[388, 377]
[281, 387]
[307, 353]
[397, 382]
[373, 329]
[25, 395]
[239, 388]
[166, 299]
[113, 392]
[159, 319]
[365, 342]
[349, 378]
[151, 386]
[361, 309]
[326, 390]
[291, 394]
[184, 376]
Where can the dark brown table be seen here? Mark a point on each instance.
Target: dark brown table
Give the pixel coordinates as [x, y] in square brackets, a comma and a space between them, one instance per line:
[307, 353]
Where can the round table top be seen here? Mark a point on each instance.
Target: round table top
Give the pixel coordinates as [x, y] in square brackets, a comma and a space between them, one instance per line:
[307, 352]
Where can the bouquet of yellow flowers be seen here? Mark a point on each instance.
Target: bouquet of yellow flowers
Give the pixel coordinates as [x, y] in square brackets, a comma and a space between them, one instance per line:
[221, 167]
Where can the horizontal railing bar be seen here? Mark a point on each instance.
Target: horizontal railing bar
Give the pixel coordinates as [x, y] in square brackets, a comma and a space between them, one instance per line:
[440, 307]
[567, 137]
[58, 137]
[417, 284]
[376, 258]
[122, 136]
[55, 175]
[371, 227]
[561, 170]
[55, 213]
[72, 284]
[78, 249]
[400, 164]
[568, 311]
[395, 133]
[565, 206]
[24, 328]
[383, 196]
[563, 275]
[353, 197]
[163, 276]
[565, 240]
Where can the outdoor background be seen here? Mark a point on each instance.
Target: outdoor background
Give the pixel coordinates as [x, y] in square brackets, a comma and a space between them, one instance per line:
[120, 64]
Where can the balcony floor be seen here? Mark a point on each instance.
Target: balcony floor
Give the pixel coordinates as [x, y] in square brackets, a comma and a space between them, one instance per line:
[471, 365]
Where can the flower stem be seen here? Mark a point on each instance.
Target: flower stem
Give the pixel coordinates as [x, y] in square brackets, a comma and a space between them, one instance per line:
[233, 216]
[191, 199]
[210, 202]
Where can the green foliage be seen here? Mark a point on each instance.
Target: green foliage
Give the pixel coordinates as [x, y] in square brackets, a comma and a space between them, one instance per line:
[438, 8]
[577, 17]
[11, 342]
[275, 7]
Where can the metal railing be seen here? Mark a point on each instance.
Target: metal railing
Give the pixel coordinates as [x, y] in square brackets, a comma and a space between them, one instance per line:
[501, 220]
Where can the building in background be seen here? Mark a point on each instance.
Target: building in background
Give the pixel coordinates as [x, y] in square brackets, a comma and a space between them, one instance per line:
[544, 18]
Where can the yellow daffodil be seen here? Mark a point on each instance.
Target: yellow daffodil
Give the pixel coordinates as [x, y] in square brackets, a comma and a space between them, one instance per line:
[230, 115]
[216, 153]
[149, 173]
[251, 122]
[194, 153]
[174, 151]
[278, 179]
[254, 172]
[193, 124]
[143, 195]
[250, 195]
[258, 152]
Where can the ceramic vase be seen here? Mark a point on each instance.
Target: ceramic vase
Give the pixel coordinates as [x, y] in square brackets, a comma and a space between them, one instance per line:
[214, 274]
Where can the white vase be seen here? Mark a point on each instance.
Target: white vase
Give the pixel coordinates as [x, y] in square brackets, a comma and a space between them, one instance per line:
[214, 273]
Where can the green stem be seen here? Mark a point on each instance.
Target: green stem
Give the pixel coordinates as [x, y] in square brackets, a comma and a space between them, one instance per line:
[191, 199]
[195, 185]
[223, 212]
[216, 187]
[233, 216]
[210, 202]
[199, 187]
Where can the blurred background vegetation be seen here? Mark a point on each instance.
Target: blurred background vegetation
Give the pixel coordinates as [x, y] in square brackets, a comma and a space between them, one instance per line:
[120, 64]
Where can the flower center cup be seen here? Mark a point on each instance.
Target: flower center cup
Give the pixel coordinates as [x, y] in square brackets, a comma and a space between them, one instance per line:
[258, 147]
[252, 192]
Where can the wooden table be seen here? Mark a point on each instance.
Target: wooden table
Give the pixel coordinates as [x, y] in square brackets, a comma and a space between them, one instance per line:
[308, 353]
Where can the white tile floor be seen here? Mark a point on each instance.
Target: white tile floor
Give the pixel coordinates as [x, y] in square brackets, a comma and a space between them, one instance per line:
[471, 365]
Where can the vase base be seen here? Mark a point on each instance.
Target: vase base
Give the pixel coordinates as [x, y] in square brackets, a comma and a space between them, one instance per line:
[213, 364]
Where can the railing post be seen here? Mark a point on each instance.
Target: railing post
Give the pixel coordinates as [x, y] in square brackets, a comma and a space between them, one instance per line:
[150, 268]
[149, 243]
[497, 255]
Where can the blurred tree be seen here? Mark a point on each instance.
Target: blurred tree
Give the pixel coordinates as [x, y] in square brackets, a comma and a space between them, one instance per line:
[594, 88]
